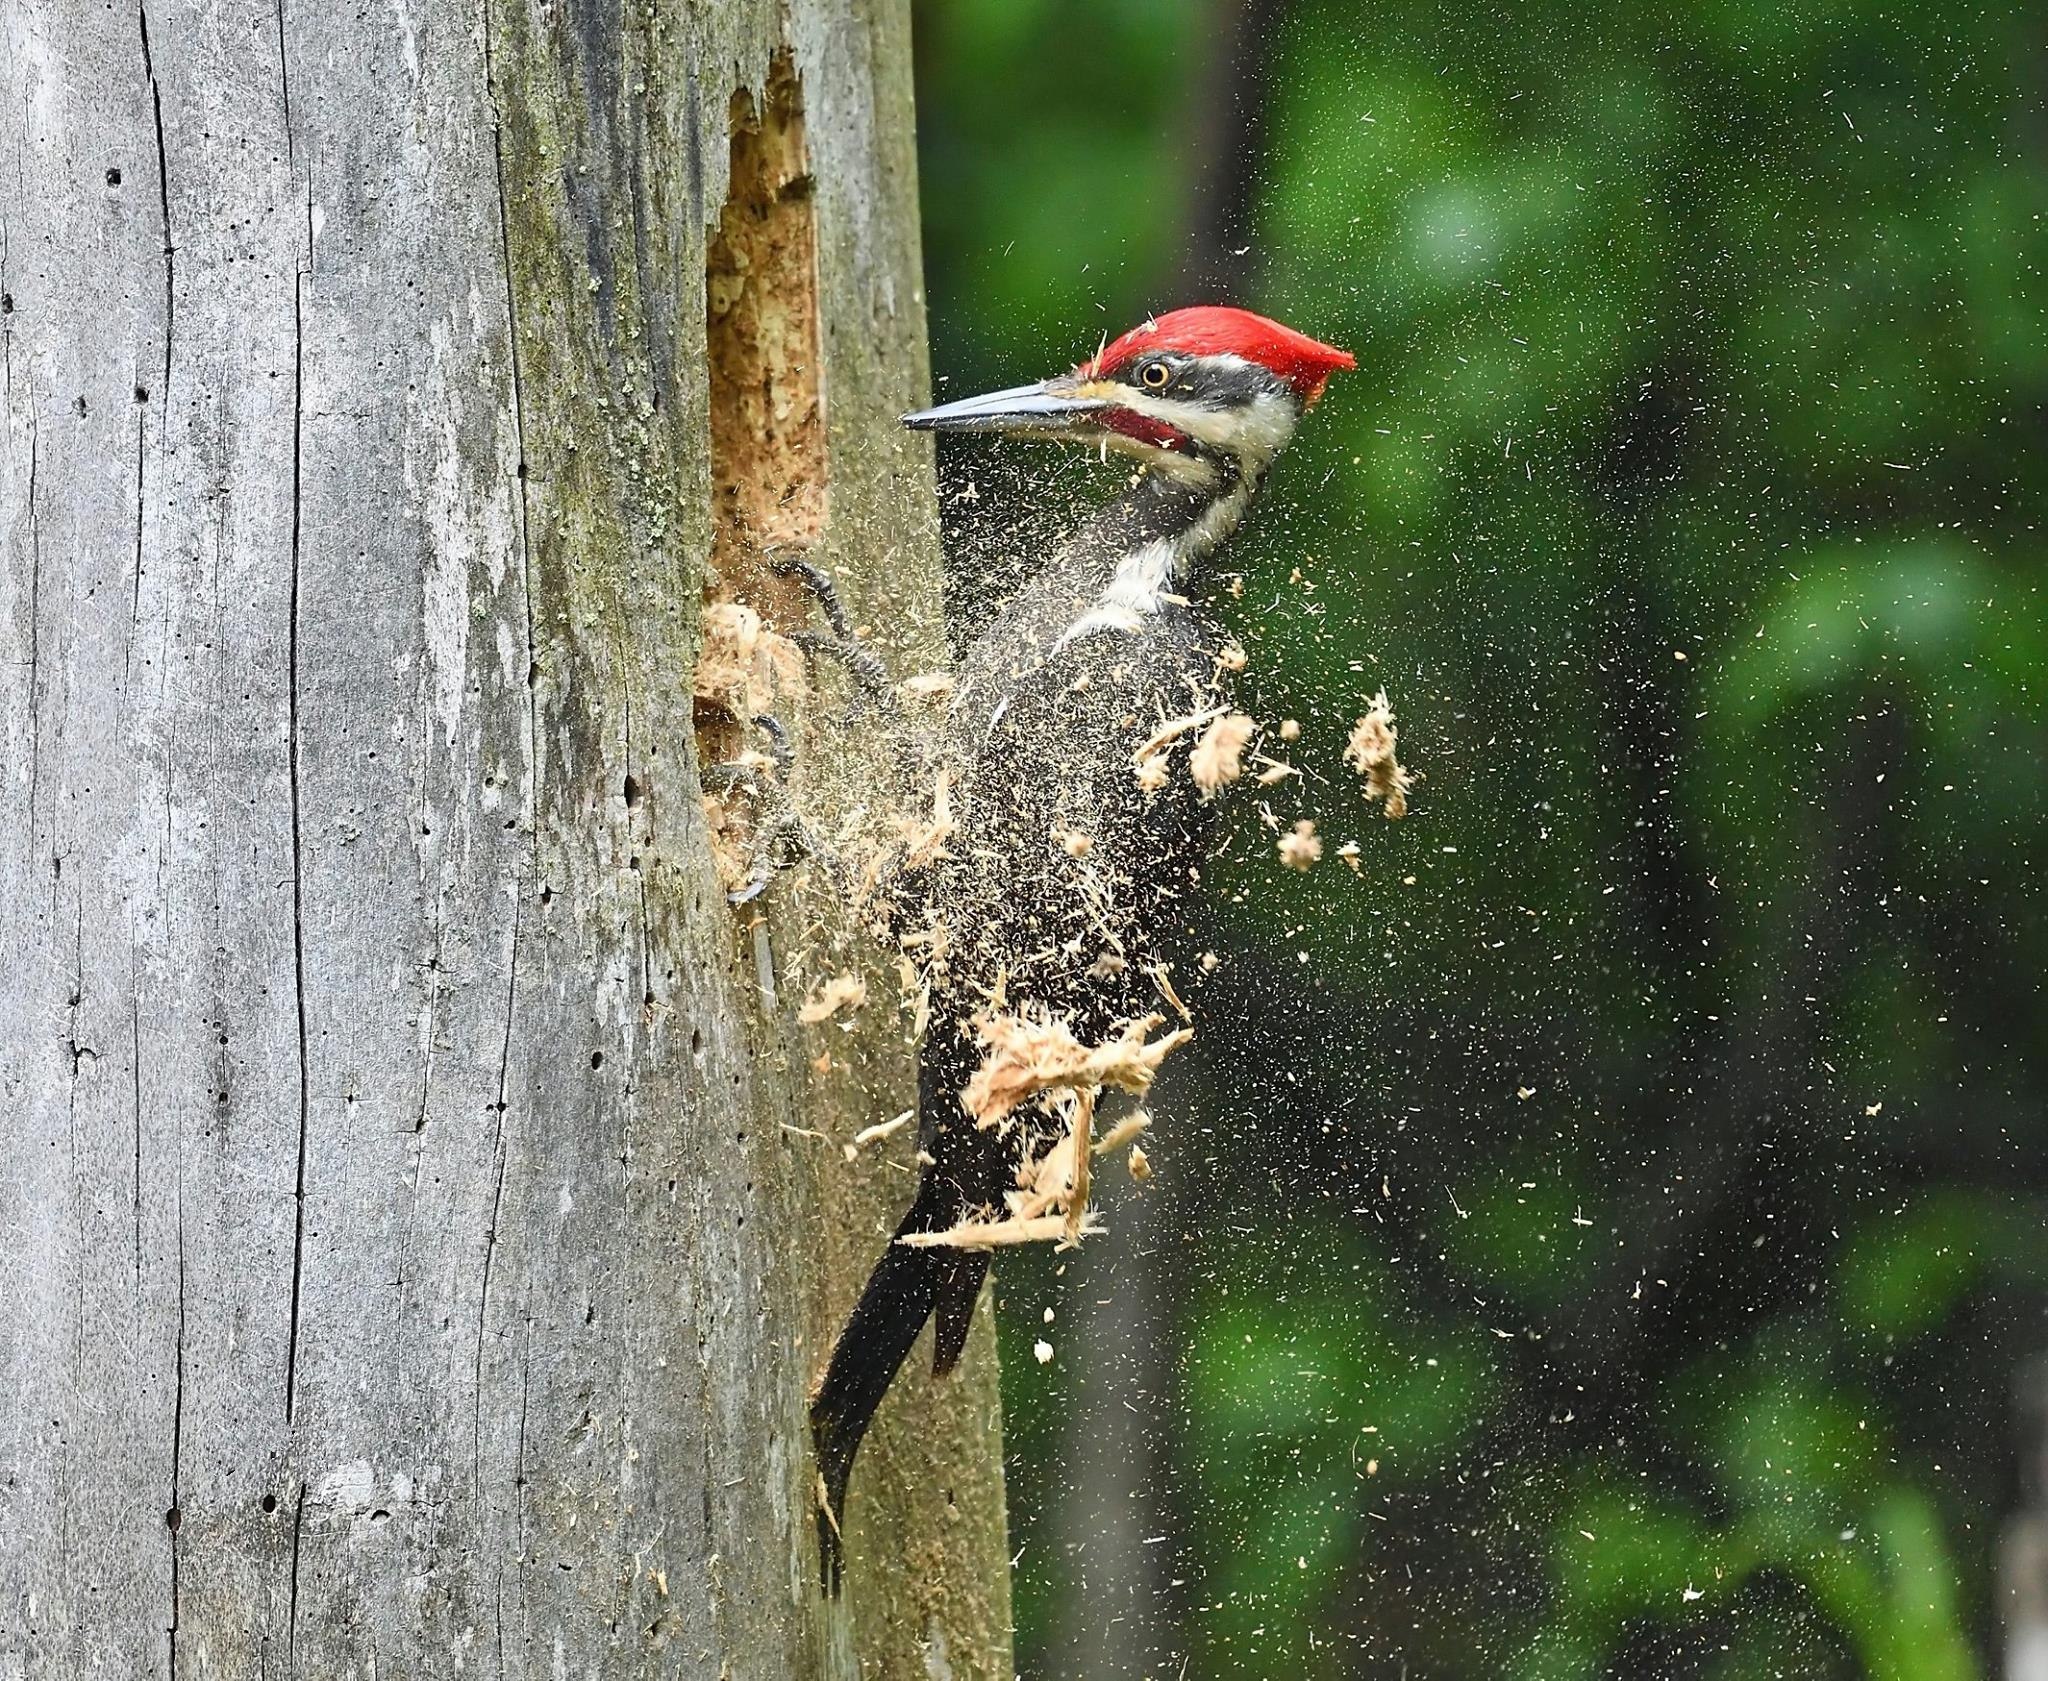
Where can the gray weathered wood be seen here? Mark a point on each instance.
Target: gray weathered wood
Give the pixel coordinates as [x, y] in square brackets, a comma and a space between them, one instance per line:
[407, 1263]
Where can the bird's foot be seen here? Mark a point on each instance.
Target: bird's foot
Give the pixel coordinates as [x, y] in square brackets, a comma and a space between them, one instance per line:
[782, 840]
[779, 838]
[840, 641]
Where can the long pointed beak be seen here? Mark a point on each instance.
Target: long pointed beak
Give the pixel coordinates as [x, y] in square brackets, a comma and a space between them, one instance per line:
[1043, 408]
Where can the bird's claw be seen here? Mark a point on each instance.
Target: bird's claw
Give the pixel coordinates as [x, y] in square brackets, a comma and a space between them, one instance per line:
[781, 840]
[842, 642]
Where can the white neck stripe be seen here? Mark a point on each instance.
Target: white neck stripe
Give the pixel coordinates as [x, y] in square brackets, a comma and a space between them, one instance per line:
[1147, 574]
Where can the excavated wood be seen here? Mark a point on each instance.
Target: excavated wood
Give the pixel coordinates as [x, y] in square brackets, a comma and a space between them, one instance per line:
[412, 1256]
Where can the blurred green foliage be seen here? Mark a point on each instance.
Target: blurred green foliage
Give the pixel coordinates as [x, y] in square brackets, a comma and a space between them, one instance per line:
[1655, 1200]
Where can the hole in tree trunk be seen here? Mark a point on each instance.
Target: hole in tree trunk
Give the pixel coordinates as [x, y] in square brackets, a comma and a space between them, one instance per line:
[761, 303]
[768, 474]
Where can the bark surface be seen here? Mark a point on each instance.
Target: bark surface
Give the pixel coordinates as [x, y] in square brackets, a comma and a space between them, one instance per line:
[416, 1237]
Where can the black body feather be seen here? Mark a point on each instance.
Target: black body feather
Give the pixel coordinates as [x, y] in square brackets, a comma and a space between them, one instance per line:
[1040, 742]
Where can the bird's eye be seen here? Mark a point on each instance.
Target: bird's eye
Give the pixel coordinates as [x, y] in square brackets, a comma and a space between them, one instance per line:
[1155, 375]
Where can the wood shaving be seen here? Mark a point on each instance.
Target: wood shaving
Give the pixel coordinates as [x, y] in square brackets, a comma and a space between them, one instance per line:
[1043, 1182]
[1139, 1163]
[1299, 847]
[925, 842]
[1028, 1058]
[828, 998]
[1126, 1131]
[1218, 758]
[1080, 1152]
[743, 669]
[1370, 752]
[1162, 978]
[927, 687]
[1172, 730]
[1277, 770]
[884, 1129]
[998, 1234]
[742, 663]
[1024, 1057]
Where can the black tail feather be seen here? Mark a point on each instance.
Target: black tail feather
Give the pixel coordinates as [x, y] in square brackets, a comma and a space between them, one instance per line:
[967, 1167]
[959, 1290]
[906, 1285]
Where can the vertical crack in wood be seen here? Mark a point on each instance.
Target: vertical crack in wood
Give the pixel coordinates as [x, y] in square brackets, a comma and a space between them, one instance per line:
[483, 1299]
[163, 199]
[135, 1096]
[35, 626]
[284, 84]
[291, 1621]
[291, 1357]
[482, 1305]
[174, 1516]
[135, 589]
[6, 313]
[77, 1055]
[519, 1483]
[433, 1016]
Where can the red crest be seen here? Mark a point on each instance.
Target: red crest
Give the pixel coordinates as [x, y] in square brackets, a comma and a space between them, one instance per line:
[1213, 330]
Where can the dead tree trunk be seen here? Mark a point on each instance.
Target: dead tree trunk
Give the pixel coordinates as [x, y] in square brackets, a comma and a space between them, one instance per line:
[416, 1237]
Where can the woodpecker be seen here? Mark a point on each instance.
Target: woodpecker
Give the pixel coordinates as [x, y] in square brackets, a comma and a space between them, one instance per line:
[1066, 869]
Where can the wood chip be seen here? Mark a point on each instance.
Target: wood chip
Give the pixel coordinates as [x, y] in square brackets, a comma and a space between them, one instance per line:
[1218, 758]
[1081, 1154]
[1299, 847]
[1039, 1059]
[742, 664]
[828, 998]
[1370, 752]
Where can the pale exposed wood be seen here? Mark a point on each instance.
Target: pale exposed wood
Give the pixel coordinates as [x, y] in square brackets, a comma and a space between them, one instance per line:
[410, 1263]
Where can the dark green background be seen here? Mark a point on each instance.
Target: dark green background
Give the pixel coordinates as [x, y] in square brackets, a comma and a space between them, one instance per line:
[1714, 333]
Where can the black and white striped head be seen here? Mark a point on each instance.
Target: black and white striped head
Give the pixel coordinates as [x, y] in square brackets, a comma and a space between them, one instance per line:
[1179, 392]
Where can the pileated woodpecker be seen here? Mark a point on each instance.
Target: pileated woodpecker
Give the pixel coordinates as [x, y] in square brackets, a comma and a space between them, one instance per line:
[1066, 867]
